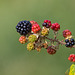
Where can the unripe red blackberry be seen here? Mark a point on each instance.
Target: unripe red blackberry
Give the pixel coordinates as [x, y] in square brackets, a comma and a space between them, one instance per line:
[47, 23]
[22, 39]
[33, 22]
[23, 27]
[66, 33]
[55, 26]
[71, 58]
[50, 50]
[36, 28]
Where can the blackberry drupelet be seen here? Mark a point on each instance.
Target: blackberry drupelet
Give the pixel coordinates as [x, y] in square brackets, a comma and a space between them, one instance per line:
[23, 27]
[44, 24]
[67, 44]
[66, 40]
[72, 43]
[72, 40]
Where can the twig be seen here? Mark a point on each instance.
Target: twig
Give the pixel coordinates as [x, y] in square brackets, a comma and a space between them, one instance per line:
[56, 40]
[59, 42]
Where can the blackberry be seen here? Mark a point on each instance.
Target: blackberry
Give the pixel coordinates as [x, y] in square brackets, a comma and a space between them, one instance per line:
[50, 50]
[66, 33]
[47, 23]
[30, 46]
[23, 27]
[22, 40]
[44, 32]
[55, 26]
[32, 38]
[69, 43]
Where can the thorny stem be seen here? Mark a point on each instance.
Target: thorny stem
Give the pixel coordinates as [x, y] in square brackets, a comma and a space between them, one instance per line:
[56, 40]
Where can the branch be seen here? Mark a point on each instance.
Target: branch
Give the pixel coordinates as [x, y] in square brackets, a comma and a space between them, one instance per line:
[56, 40]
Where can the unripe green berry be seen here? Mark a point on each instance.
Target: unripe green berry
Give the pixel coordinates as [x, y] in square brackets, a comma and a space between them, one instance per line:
[30, 46]
[44, 31]
[32, 38]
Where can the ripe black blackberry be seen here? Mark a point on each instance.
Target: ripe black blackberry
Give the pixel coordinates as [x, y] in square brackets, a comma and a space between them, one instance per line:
[23, 27]
[69, 43]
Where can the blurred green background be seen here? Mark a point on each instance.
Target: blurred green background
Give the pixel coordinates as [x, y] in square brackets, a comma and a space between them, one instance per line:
[14, 57]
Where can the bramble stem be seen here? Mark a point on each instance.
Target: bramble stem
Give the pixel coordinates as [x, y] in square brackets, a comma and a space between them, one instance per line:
[56, 40]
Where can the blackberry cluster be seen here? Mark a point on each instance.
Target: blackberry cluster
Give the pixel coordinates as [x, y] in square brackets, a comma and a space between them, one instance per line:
[23, 27]
[69, 43]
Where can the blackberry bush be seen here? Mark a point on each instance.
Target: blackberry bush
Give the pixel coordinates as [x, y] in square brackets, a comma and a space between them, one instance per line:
[38, 38]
